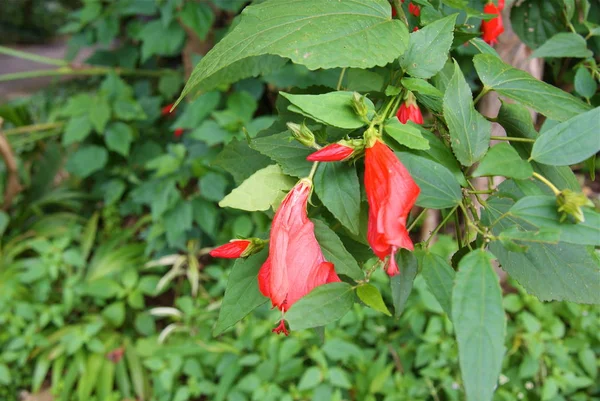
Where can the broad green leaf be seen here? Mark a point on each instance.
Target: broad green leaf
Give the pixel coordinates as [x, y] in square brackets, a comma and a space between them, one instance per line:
[5, 376]
[585, 84]
[371, 296]
[541, 211]
[480, 325]
[570, 142]
[160, 40]
[469, 131]
[240, 160]
[439, 276]
[516, 120]
[363, 29]
[402, 283]
[262, 190]
[335, 252]
[483, 47]
[535, 21]
[564, 44]
[333, 108]
[337, 186]
[77, 129]
[428, 48]
[4, 220]
[522, 87]
[198, 16]
[118, 137]
[197, 110]
[87, 160]
[503, 160]
[99, 113]
[439, 188]
[544, 235]
[287, 152]
[242, 295]
[421, 86]
[440, 153]
[323, 305]
[363, 80]
[405, 134]
[561, 272]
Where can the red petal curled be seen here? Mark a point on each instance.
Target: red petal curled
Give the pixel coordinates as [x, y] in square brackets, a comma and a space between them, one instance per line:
[231, 250]
[409, 112]
[493, 28]
[414, 9]
[331, 153]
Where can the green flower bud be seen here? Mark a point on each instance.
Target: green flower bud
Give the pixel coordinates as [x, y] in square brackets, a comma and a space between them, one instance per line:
[570, 204]
[359, 105]
[302, 134]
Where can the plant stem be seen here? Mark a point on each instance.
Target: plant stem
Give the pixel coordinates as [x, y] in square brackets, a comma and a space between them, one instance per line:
[547, 182]
[488, 191]
[457, 228]
[414, 222]
[83, 71]
[400, 12]
[313, 170]
[33, 128]
[33, 57]
[435, 231]
[483, 92]
[341, 79]
[512, 139]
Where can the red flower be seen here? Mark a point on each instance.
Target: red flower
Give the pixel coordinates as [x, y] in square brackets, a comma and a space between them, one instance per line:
[331, 153]
[233, 249]
[414, 9]
[501, 5]
[393, 11]
[415, 29]
[296, 263]
[409, 110]
[493, 28]
[166, 110]
[178, 132]
[391, 193]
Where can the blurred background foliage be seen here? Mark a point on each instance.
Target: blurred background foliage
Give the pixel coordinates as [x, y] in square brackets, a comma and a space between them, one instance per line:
[106, 288]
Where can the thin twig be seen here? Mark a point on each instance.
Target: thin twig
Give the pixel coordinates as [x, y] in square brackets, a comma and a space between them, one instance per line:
[511, 139]
[13, 186]
[26, 129]
[341, 79]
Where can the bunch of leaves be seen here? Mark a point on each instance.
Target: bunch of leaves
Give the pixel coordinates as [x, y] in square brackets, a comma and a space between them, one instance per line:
[553, 258]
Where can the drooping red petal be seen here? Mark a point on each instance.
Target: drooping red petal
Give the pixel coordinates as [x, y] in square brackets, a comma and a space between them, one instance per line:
[231, 250]
[493, 28]
[409, 112]
[414, 9]
[331, 153]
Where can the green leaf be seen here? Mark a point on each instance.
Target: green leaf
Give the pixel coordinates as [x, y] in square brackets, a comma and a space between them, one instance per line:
[287, 152]
[5, 377]
[196, 111]
[178, 220]
[406, 134]
[483, 47]
[469, 131]
[570, 142]
[440, 153]
[323, 305]
[262, 190]
[77, 129]
[333, 108]
[561, 272]
[170, 84]
[115, 313]
[118, 138]
[439, 276]
[585, 84]
[535, 21]
[197, 16]
[439, 188]
[335, 252]
[87, 160]
[503, 160]
[544, 235]
[421, 86]
[564, 44]
[363, 29]
[364, 80]
[371, 296]
[4, 220]
[479, 323]
[161, 40]
[99, 113]
[402, 283]
[337, 186]
[541, 211]
[428, 48]
[242, 295]
[240, 160]
[522, 87]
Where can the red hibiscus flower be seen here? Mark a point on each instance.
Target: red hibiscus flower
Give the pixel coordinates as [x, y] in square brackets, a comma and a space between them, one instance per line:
[296, 263]
[409, 110]
[331, 153]
[234, 249]
[493, 28]
[414, 9]
[178, 132]
[391, 193]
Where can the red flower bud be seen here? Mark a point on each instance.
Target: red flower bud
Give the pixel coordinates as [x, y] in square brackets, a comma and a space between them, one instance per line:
[493, 28]
[410, 111]
[178, 132]
[231, 250]
[296, 263]
[331, 153]
[166, 110]
[391, 193]
[414, 9]
[501, 5]
[415, 29]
